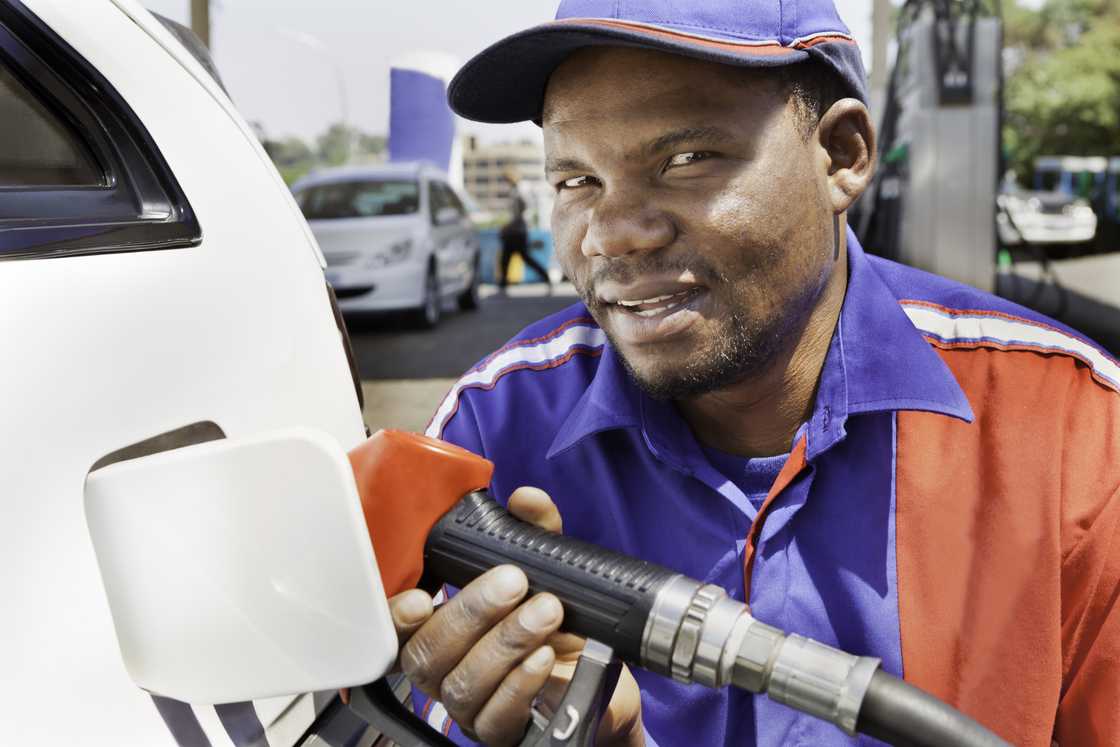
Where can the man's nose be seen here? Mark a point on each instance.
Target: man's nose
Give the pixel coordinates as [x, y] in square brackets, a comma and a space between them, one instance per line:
[622, 225]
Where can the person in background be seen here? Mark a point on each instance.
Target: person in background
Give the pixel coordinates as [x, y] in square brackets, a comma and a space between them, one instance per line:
[515, 236]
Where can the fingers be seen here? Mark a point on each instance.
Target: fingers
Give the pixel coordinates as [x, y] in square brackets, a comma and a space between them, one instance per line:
[410, 609]
[502, 720]
[622, 722]
[534, 506]
[440, 643]
[483, 654]
[468, 687]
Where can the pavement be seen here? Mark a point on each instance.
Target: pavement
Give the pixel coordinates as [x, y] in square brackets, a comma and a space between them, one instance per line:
[1083, 292]
[406, 372]
[404, 404]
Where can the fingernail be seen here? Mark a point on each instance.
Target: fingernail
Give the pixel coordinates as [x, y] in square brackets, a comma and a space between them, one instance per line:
[506, 584]
[412, 608]
[541, 612]
[539, 660]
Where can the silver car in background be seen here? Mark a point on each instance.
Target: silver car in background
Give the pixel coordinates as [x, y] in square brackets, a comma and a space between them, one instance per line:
[1043, 218]
[395, 236]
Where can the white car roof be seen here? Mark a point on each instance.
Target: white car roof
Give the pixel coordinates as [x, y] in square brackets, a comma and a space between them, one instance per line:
[378, 171]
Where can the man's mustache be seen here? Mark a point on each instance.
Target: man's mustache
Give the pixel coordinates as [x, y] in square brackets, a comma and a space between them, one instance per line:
[624, 271]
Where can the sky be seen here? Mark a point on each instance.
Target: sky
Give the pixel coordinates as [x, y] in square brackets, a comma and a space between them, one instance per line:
[295, 66]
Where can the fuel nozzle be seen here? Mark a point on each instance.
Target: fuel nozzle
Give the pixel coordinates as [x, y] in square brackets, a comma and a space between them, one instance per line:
[417, 492]
[697, 633]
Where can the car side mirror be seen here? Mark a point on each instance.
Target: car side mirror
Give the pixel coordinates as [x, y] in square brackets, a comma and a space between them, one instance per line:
[241, 569]
[446, 216]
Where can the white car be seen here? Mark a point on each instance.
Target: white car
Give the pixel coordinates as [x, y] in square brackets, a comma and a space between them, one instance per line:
[159, 288]
[1043, 218]
[395, 236]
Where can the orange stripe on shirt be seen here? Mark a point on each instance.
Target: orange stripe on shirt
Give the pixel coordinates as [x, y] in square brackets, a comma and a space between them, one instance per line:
[988, 515]
[789, 472]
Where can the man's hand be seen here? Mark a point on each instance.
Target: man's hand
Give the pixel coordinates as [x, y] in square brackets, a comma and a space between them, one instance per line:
[488, 652]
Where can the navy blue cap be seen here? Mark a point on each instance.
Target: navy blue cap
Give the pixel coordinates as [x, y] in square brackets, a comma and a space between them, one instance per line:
[506, 82]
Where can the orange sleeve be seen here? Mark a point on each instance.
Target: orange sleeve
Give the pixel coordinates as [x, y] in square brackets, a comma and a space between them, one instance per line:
[1089, 708]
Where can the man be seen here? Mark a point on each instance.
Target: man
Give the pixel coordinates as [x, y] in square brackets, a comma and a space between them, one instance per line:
[515, 236]
[883, 460]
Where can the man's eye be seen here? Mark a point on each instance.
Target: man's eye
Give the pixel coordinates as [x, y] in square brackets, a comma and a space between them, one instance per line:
[684, 159]
[575, 182]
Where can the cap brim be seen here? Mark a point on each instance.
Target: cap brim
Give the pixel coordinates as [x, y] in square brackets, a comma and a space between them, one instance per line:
[506, 82]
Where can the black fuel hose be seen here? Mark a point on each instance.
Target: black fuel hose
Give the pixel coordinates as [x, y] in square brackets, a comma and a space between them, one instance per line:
[900, 714]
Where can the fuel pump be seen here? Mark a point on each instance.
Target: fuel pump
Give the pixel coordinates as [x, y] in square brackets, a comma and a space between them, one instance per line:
[932, 203]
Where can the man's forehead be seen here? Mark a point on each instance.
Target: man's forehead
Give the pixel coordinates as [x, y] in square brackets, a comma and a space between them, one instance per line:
[621, 82]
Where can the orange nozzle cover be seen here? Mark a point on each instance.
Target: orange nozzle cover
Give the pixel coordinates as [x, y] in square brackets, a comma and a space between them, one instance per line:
[407, 482]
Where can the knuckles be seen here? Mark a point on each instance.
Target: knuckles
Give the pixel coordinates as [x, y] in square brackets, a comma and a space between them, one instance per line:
[415, 661]
[457, 694]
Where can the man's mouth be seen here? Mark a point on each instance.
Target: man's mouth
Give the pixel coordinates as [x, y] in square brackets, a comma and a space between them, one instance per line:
[657, 305]
[652, 311]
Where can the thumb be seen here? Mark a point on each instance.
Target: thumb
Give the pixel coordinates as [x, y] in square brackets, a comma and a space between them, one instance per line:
[534, 506]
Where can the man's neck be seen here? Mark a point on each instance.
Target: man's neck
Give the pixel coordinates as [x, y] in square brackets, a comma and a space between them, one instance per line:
[759, 416]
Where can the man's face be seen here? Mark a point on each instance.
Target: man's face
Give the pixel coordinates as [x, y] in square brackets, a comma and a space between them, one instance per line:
[692, 213]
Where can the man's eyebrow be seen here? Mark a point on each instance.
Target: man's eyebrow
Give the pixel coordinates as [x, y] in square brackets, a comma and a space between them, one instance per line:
[688, 134]
[564, 164]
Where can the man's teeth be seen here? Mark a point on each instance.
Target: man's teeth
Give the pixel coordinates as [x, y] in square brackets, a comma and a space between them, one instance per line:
[660, 304]
[655, 299]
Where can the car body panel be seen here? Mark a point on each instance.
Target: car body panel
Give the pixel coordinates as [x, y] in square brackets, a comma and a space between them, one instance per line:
[110, 349]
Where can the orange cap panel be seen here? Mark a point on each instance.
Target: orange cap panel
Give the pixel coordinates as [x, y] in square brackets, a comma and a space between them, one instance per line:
[406, 483]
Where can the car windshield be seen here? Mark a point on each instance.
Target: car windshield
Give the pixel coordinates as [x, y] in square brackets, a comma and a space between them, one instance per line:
[1048, 181]
[359, 199]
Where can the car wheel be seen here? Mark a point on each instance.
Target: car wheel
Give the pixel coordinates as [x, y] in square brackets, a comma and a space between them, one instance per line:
[427, 316]
[468, 299]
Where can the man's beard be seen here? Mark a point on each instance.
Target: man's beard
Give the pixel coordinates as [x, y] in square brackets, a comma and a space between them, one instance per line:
[744, 349]
[746, 346]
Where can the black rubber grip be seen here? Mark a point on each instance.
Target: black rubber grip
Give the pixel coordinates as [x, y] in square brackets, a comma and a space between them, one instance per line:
[606, 596]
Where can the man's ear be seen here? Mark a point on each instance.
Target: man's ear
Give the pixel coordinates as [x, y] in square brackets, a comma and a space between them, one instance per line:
[848, 139]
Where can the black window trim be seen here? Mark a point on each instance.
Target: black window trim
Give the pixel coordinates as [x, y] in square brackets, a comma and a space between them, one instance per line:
[139, 206]
[434, 200]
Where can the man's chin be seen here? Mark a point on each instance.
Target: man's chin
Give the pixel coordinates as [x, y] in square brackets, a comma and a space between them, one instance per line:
[680, 370]
[670, 380]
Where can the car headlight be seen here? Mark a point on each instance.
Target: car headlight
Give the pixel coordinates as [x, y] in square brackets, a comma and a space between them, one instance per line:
[394, 254]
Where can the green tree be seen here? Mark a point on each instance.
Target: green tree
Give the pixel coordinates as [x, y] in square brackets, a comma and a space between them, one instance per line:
[339, 144]
[371, 145]
[1063, 83]
[336, 146]
[292, 156]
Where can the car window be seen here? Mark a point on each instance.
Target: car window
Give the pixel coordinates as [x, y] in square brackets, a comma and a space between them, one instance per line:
[359, 199]
[453, 200]
[442, 196]
[436, 201]
[37, 149]
[1048, 181]
[79, 172]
